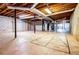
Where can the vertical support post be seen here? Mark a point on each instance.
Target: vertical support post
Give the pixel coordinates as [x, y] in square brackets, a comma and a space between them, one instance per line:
[70, 27]
[56, 25]
[29, 25]
[43, 25]
[15, 23]
[52, 26]
[34, 24]
[47, 26]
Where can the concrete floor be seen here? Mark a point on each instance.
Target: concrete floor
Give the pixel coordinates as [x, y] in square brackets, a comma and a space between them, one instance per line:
[40, 43]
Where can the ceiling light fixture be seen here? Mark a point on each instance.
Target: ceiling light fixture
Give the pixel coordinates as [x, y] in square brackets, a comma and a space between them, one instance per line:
[48, 11]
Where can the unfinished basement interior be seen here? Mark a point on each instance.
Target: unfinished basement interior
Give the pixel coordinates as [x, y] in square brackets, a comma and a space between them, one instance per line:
[39, 29]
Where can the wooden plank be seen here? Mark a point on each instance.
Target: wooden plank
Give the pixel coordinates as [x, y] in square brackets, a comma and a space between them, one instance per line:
[4, 11]
[8, 12]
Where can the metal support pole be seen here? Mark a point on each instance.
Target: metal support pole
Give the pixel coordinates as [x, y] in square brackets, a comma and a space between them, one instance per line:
[34, 24]
[28, 25]
[43, 25]
[15, 23]
[48, 26]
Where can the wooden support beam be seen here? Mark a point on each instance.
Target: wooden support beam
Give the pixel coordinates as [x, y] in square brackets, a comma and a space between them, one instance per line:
[4, 11]
[24, 12]
[19, 8]
[34, 5]
[23, 4]
[2, 5]
[8, 12]
[61, 12]
[43, 25]
[12, 14]
[19, 13]
[38, 12]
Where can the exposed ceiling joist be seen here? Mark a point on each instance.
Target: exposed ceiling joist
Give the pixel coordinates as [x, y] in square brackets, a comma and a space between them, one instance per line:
[40, 13]
[24, 4]
[22, 8]
[4, 11]
[2, 5]
[30, 9]
[9, 12]
[18, 8]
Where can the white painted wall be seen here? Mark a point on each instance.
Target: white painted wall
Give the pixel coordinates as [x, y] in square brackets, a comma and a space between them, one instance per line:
[75, 22]
[7, 24]
[21, 25]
